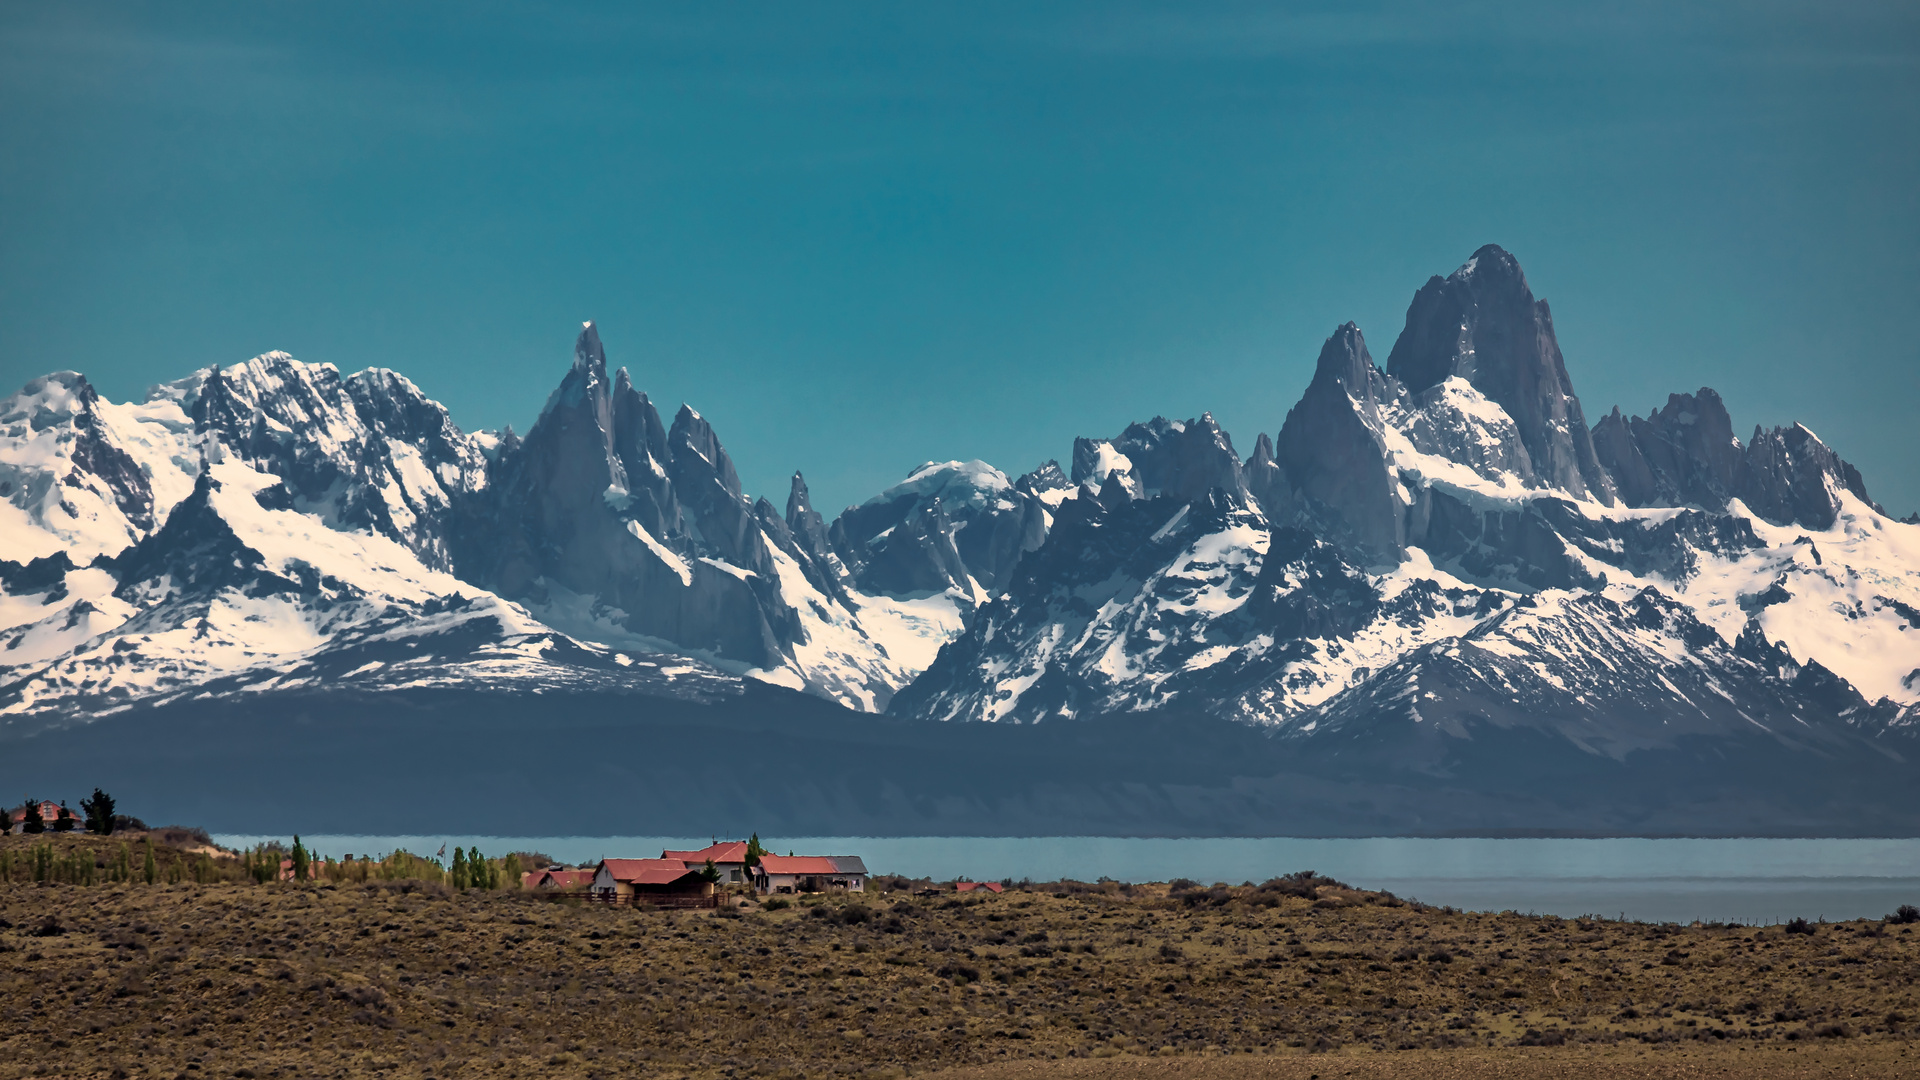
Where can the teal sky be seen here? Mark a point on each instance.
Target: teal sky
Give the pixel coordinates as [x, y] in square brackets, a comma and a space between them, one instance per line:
[858, 237]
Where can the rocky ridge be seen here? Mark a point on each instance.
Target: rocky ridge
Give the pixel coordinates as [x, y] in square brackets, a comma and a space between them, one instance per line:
[1438, 546]
[1444, 545]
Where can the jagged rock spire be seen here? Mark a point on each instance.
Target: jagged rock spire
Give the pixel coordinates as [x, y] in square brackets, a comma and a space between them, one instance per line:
[1482, 324]
[1333, 451]
[587, 352]
[808, 527]
[1791, 476]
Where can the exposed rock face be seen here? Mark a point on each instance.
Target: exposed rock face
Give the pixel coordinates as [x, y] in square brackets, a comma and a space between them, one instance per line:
[62, 465]
[604, 520]
[1184, 459]
[369, 452]
[1482, 323]
[808, 527]
[802, 533]
[1441, 550]
[1419, 565]
[1333, 448]
[948, 525]
[1045, 481]
[1682, 455]
[1685, 454]
[1791, 476]
[1267, 482]
[1115, 587]
[96, 459]
[650, 526]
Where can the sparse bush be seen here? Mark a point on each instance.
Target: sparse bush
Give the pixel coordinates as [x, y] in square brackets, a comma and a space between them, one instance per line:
[181, 836]
[1799, 926]
[1304, 884]
[1555, 1037]
[1905, 913]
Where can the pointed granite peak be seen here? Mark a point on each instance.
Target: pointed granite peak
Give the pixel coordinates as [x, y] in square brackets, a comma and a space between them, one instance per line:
[1344, 360]
[808, 527]
[1494, 267]
[798, 501]
[1267, 481]
[697, 456]
[587, 352]
[1262, 451]
[1482, 324]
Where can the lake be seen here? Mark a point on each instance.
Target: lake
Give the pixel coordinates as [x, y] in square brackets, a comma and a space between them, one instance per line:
[1668, 880]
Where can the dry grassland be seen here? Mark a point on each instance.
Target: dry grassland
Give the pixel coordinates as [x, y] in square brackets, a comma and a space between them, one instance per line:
[401, 980]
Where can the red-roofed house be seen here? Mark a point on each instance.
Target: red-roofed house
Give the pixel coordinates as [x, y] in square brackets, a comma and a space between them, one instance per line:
[810, 873]
[558, 880]
[729, 858]
[49, 813]
[969, 886]
[660, 881]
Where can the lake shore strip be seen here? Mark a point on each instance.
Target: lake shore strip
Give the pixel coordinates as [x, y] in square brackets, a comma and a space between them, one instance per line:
[158, 974]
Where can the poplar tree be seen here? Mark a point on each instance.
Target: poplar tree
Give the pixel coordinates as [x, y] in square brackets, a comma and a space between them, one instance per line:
[151, 870]
[459, 868]
[301, 860]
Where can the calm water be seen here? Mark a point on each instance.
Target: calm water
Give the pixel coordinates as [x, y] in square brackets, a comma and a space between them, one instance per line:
[1751, 880]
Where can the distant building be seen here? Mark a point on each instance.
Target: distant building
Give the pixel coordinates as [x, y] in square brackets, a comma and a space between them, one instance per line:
[730, 858]
[970, 886]
[557, 880]
[49, 813]
[810, 873]
[638, 881]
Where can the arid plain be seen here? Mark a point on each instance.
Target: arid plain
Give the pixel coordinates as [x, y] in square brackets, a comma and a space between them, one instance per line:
[1294, 979]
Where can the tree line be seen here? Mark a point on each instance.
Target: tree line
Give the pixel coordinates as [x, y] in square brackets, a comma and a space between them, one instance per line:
[98, 818]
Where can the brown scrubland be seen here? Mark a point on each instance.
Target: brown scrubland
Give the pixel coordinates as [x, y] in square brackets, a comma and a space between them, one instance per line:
[226, 975]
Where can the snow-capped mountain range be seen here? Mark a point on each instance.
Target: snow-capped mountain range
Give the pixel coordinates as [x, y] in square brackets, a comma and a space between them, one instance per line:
[1419, 551]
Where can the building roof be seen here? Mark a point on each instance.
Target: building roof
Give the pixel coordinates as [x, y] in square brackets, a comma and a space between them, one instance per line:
[565, 879]
[849, 864]
[799, 864]
[732, 851]
[49, 812]
[969, 886]
[645, 871]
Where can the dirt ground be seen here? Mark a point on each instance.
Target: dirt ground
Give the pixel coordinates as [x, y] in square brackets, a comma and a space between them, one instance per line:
[1560, 1063]
[400, 979]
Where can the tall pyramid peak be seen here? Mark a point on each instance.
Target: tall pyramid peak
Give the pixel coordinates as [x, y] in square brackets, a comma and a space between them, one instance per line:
[1482, 324]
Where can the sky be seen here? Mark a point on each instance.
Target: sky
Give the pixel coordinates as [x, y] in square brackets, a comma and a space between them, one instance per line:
[858, 237]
